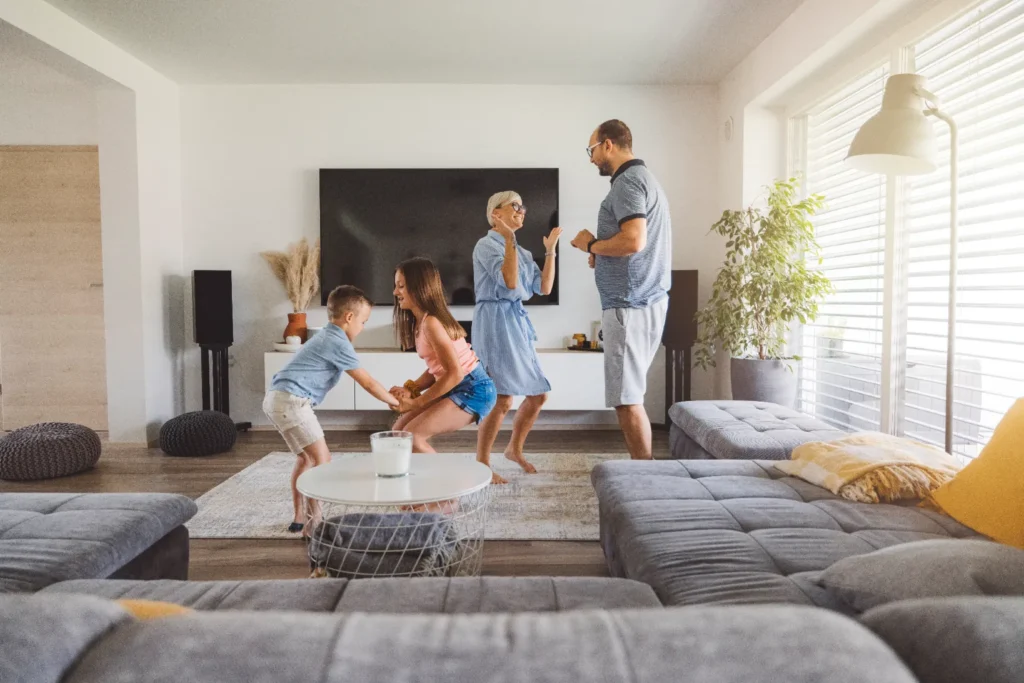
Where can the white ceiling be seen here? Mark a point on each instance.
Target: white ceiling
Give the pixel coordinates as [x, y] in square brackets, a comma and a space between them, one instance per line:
[435, 41]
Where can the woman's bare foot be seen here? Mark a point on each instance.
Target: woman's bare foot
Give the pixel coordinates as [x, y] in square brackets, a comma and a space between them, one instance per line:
[497, 478]
[518, 459]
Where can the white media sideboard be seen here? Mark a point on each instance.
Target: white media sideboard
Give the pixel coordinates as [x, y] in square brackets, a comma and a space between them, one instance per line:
[577, 378]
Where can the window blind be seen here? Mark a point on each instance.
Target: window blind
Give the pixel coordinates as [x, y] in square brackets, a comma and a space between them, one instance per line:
[975, 65]
[841, 372]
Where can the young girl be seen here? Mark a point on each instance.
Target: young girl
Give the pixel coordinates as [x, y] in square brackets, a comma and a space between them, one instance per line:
[455, 390]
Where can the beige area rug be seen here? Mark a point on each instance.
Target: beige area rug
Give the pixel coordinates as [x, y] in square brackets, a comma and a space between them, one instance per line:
[556, 504]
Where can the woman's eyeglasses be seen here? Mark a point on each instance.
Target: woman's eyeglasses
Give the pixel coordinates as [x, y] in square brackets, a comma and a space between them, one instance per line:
[517, 207]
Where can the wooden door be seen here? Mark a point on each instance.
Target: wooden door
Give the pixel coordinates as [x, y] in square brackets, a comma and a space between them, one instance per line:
[52, 353]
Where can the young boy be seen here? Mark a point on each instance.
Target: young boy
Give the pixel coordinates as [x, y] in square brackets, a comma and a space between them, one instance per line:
[313, 372]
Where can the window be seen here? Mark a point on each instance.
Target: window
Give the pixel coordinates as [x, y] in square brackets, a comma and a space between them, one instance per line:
[975, 65]
[863, 371]
[841, 381]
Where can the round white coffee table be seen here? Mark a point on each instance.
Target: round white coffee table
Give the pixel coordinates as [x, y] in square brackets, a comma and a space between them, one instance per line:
[428, 523]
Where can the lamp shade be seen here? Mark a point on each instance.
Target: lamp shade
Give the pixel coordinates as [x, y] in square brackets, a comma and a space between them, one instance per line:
[899, 139]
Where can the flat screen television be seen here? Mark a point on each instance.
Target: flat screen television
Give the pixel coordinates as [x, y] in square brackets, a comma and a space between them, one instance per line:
[372, 219]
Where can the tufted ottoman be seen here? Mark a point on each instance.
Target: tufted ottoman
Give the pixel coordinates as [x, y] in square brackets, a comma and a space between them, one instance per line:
[47, 451]
[741, 430]
[204, 432]
[50, 537]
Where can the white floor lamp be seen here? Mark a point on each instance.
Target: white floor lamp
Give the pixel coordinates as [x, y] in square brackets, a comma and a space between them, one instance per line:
[899, 140]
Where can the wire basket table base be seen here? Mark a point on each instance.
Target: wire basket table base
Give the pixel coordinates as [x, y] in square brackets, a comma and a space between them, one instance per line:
[440, 539]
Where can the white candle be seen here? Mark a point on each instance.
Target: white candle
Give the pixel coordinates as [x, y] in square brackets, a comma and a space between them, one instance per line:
[391, 456]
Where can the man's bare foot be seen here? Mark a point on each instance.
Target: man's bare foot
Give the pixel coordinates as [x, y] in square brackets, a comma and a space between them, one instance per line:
[497, 478]
[518, 459]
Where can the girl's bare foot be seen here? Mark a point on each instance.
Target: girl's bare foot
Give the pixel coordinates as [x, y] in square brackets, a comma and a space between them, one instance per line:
[497, 478]
[445, 507]
[518, 459]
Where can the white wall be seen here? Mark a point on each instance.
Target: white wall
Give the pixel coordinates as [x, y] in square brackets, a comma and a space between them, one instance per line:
[250, 157]
[140, 189]
[62, 116]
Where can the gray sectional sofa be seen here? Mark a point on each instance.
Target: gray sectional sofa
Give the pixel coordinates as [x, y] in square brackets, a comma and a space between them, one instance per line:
[707, 538]
[57, 638]
[740, 532]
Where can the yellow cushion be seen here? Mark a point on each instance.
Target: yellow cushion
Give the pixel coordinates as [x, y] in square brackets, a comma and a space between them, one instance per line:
[150, 609]
[988, 494]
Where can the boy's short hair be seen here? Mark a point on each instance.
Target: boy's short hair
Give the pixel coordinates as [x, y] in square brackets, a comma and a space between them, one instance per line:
[345, 299]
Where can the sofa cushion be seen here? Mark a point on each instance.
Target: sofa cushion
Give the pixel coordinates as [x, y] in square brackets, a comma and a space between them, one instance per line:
[988, 494]
[721, 531]
[955, 640]
[424, 595]
[703, 645]
[745, 430]
[926, 569]
[48, 537]
[41, 639]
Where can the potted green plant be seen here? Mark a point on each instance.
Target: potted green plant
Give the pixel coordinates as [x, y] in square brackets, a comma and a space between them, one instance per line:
[763, 287]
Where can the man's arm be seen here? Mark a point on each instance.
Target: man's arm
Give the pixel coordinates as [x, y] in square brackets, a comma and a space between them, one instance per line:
[631, 239]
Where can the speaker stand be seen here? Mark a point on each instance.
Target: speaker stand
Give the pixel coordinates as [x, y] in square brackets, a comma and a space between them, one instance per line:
[217, 356]
[678, 372]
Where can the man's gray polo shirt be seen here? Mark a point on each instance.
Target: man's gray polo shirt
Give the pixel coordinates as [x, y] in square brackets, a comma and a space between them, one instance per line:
[644, 278]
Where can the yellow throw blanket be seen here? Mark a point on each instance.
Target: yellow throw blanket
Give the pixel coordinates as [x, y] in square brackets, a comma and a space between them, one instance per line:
[871, 467]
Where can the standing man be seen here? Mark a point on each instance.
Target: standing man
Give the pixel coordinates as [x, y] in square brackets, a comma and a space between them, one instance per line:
[632, 255]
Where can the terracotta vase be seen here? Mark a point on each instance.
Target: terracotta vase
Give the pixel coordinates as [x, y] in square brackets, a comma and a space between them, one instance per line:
[296, 327]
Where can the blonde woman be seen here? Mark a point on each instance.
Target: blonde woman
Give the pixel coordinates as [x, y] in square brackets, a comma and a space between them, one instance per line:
[505, 276]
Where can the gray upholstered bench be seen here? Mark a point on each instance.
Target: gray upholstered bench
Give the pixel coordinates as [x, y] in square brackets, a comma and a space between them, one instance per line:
[741, 430]
[50, 537]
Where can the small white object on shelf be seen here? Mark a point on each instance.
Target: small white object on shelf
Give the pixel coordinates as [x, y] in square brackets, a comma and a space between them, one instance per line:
[287, 348]
[294, 340]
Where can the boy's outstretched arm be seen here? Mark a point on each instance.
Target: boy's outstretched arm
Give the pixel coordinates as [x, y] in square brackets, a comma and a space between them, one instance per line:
[372, 386]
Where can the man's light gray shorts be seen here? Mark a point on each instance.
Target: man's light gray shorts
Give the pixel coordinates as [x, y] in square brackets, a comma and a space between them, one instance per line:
[631, 339]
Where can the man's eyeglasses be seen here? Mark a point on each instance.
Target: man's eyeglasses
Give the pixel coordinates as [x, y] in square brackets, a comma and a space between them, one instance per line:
[590, 150]
[517, 207]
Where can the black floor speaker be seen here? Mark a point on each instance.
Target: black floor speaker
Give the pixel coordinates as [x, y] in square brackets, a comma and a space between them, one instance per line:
[214, 331]
[211, 305]
[679, 337]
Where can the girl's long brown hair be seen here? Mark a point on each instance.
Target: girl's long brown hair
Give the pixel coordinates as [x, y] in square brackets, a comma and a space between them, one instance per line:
[423, 284]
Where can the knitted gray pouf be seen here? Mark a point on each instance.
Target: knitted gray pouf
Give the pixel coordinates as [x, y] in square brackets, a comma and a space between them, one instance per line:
[204, 432]
[48, 450]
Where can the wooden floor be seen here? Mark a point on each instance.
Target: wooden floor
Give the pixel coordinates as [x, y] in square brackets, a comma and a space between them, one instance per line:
[136, 469]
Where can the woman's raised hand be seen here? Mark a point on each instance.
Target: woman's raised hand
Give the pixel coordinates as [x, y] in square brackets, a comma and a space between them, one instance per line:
[501, 227]
[552, 240]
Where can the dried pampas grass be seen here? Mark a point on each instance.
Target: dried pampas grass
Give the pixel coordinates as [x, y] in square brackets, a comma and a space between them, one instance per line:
[298, 270]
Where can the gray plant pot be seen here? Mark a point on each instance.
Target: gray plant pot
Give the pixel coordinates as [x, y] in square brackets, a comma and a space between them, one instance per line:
[773, 381]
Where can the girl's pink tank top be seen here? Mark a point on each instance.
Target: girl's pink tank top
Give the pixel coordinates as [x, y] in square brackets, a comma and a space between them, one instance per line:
[467, 359]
